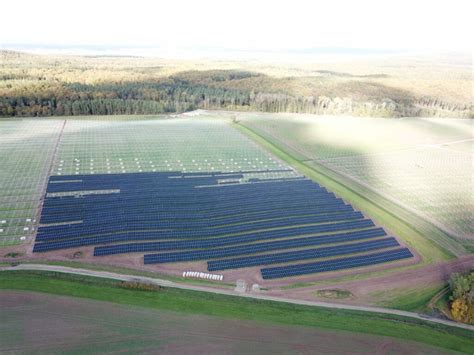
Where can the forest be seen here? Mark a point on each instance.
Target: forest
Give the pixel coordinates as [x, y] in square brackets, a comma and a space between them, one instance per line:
[47, 85]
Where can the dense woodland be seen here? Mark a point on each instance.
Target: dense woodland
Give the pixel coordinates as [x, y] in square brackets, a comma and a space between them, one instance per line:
[33, 85]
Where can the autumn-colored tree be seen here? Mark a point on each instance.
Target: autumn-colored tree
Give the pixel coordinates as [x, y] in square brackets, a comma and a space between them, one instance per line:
[462, 297]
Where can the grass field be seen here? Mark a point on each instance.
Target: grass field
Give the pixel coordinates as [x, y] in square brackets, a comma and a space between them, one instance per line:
[422, 165]
[415, 300]
[196, 303]
[58, 324]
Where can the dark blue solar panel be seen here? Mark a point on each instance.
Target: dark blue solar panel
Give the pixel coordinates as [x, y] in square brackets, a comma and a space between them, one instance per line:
[186, 223]
[336, 264]
[254, 249]
[278, 258]
[138, 235]
[220, 242]
[121, 226]
[202, 216]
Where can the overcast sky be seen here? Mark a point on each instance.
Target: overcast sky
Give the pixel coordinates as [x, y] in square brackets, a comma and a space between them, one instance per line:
[241, 24]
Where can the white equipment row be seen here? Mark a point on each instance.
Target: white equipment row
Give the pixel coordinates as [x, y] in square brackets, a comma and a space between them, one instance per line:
[203, 275]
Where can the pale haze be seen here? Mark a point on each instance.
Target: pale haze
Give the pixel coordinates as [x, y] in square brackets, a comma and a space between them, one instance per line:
[243, 24]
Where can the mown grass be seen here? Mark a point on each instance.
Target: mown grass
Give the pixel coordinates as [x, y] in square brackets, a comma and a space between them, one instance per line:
[241, 308]
[415, 300]
[443, 304]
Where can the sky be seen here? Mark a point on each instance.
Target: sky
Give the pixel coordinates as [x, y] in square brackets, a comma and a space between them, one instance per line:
[268, 25]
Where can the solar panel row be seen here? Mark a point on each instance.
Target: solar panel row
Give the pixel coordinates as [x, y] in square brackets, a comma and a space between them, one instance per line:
[336, 264]
[125, 178]
[51, 230]
[184, 192]
[123, 214]
[139, 235]
[202, 197]
[82, 229]
[183, 206]
[219, 242]
[216, 212]
[254, 249]
[154, 183]
[278, 258]
[199, 220]
[166, 183]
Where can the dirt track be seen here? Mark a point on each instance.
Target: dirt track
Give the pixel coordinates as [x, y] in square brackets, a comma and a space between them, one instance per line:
[258, 295]
[427, 276]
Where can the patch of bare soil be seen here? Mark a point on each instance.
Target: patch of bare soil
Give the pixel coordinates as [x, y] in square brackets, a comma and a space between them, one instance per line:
[409, 279]
[250, 275]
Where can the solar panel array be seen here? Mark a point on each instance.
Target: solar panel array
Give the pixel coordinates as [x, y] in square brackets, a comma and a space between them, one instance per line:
[26, 147]
[337, 264]
[232, 220]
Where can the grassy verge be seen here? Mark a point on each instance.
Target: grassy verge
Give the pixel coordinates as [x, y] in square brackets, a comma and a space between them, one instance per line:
[414, 300]
[442, 304]
[124, 270]
[240, 308]
[382, 213]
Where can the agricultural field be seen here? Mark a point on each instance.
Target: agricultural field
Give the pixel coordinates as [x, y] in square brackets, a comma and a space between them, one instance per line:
[63, 313]
[423, 164]
[66, 324]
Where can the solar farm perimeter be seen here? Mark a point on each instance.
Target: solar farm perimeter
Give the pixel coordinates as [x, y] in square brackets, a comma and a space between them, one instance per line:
[175, 195]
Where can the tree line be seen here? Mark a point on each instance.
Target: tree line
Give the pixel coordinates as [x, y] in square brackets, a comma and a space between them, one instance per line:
[147, 98]
[49, 86]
